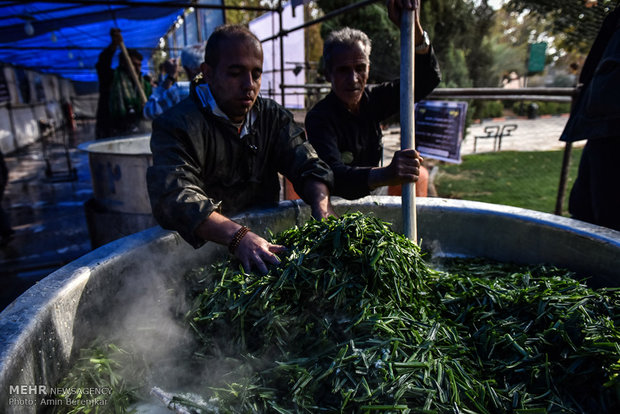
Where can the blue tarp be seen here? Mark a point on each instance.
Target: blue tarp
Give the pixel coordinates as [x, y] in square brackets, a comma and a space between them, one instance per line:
[65, 38]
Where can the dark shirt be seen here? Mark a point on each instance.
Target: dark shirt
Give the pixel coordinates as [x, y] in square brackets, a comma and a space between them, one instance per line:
[351, 143]
[4, 174]
[105, 74]
[201, 165]
[596, 112]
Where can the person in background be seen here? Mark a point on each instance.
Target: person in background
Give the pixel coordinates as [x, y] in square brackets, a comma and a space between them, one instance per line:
[166, 94]
[150, 80]
[171, 90]
[119, 108]
[595, 196]
[345, 127]
[161, 74]
[6, 232]
[220, 152]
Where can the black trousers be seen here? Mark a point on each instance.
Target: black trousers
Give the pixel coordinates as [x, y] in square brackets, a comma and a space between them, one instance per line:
[595, 196]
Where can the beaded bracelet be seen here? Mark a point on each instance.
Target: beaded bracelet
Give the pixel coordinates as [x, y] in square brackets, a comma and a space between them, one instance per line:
[236, 240]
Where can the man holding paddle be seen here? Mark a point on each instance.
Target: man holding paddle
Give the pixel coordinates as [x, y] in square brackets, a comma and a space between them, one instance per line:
[122, 91]
[344, 127]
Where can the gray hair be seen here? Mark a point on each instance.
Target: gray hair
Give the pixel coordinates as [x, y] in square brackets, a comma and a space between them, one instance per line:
[346, 37]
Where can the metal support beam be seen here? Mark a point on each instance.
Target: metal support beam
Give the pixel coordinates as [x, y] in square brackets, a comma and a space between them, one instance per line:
[566, 161]
[407, 117]
[323, 18]
[162, 4]
[459, 92]
[280, 20]
[559, 201]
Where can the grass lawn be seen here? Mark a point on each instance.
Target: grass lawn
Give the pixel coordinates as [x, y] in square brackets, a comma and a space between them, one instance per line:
[514, 178]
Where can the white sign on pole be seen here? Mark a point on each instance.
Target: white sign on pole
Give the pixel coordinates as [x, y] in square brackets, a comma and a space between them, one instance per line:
[440, 126]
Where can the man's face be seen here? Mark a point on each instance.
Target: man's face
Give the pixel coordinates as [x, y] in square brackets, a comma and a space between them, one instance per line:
[235, 81]
[135, 62]
[349, 74]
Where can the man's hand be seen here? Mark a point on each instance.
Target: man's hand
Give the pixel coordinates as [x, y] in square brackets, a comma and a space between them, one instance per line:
[171, 70]
[396, 7]
[404, 168]
[254, 252]
[395, 12]
[116, 37]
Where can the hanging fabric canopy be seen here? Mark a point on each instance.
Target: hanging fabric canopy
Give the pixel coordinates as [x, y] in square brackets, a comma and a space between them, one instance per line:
[65, 37]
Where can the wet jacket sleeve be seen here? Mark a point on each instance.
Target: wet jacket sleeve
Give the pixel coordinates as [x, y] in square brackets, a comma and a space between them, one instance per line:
[174, 184]
[427, 74]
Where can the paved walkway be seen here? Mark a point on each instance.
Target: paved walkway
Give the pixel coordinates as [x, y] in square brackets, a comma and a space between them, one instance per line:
[541, 134]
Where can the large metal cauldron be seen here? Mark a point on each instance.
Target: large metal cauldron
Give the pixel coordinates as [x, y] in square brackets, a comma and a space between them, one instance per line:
[118, 170]
[121, 203]
[44, 327]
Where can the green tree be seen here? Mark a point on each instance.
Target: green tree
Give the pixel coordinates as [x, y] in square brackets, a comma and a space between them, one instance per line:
[313, 43]
[479, 54]
[575, 24]
[372, 20]
[460, 25]
[245, 16]
[458, 31]
[455, 73]
[509, 38]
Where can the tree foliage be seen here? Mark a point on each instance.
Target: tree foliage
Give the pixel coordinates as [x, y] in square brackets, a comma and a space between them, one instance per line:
[457, 29]
[509, 38]
[244, 16]
[372, 20]
[576, 24]
[475, 45]
[313, 43]
[450, 25]
[479, 52]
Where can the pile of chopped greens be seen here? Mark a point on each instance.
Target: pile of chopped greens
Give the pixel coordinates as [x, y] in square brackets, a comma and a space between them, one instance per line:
[100, 367]
[354, 320]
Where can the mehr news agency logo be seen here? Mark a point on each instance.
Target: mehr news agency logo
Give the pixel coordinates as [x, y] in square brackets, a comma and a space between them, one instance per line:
[43, 395]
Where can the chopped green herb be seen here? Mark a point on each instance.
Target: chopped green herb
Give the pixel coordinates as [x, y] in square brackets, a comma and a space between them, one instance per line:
[355, 320]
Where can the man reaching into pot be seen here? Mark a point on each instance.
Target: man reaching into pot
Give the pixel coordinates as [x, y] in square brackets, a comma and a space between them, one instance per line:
[220, 153]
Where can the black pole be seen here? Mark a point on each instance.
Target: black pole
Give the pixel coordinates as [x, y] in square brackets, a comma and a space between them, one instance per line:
[280, 12]
[568, 148]
[559, 202]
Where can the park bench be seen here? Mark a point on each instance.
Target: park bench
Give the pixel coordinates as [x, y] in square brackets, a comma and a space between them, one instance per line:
[496, 132]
